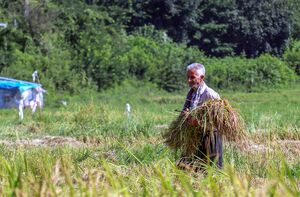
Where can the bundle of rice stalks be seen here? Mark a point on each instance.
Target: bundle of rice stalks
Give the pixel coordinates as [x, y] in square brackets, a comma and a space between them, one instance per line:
[187, 131]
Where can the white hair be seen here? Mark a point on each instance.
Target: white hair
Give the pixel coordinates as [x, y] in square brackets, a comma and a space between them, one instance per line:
[198, 67]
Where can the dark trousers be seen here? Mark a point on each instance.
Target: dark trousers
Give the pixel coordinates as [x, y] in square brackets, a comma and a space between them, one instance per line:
[210, 151]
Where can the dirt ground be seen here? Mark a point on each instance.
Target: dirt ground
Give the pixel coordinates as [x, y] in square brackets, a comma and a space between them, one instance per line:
[290, 148]
[47, 141]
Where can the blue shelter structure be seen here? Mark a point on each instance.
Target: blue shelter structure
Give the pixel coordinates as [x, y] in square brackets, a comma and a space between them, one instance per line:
[20, 94]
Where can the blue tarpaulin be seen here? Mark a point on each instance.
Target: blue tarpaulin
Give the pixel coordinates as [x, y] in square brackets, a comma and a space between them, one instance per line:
[13, 84]
[20, 94]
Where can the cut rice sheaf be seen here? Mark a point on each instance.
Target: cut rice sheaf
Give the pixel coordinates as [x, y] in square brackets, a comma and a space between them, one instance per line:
[211, 116]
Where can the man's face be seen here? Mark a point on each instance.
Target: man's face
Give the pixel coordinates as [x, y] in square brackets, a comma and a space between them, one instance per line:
[194, 78]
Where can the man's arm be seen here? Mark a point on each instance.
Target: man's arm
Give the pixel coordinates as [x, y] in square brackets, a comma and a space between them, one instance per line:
[187, 104]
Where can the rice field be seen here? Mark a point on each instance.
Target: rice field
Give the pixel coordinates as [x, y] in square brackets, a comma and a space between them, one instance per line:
[91, 147]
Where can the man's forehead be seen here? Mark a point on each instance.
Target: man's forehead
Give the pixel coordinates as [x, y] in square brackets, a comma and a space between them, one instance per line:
[194, 72]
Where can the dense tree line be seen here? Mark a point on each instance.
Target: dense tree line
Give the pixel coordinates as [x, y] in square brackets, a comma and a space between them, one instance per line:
[218, 27]
[97, 43]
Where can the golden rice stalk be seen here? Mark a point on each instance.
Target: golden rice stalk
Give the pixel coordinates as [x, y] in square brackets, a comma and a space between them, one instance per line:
[213, 115]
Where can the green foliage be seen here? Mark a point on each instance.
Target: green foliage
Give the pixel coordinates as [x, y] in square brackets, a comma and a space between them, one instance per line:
[172, 74]
[54, 66]
[292, 56]
[248, 74]
[143, 57]
[212, 28]
[262, 26]
[219, 28]
[93, 44]
[161, 62]
[271, 71]
[98, 50]
[294, 6]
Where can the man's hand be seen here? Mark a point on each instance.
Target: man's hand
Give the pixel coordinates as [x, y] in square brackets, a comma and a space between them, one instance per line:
[190, 120]
[185, 112]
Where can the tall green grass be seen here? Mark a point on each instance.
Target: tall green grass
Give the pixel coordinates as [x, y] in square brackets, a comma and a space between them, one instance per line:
[68, 171]
[118, 155]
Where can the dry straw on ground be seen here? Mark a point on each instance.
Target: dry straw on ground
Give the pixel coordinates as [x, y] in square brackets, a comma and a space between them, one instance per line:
[213, 115]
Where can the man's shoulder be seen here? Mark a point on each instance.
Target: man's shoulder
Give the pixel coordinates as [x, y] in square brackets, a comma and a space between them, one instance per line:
[211, 93]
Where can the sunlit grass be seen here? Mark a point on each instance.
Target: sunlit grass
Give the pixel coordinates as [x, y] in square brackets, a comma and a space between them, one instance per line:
[111, 154]
[69, 171]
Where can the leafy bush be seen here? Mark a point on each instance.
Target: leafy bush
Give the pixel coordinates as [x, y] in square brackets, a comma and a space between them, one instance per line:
[248, 74]
[161, 62]
[271, 71]
[54, 67]
[87, 48]
[292, 56]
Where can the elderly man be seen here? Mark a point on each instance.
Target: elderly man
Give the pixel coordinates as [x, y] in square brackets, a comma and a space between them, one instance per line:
[211, 144]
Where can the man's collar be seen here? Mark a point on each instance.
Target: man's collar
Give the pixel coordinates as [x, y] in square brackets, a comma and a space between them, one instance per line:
[201, 88]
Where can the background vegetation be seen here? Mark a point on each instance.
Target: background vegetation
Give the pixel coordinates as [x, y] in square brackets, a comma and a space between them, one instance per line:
[97, 44]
